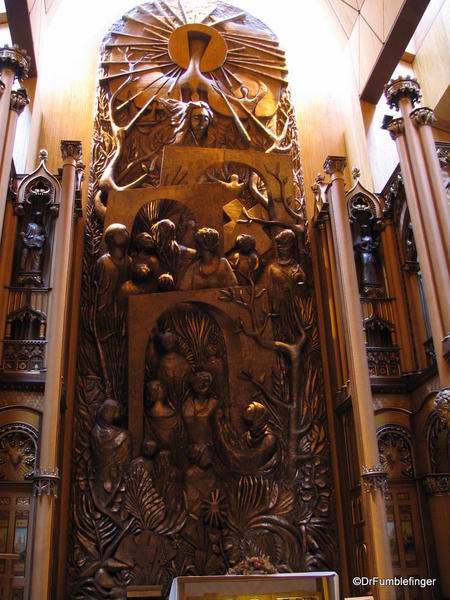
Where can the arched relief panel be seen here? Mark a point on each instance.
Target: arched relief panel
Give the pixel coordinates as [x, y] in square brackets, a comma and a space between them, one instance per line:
[18, 444]
[196, 230]
[394, 445]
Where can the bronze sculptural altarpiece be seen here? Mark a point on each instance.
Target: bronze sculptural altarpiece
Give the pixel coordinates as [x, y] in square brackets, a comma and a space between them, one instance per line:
[200, 433]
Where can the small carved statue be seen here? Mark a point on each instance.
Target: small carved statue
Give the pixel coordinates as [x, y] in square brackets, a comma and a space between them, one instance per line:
[33, 242]
[245, 261]
[161, 419]
[113, 267]
[111, 451]
[367, 259]
[210, 270]
[173, 257]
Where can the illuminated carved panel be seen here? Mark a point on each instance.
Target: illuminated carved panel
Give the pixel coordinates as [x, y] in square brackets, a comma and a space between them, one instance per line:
[200, 428]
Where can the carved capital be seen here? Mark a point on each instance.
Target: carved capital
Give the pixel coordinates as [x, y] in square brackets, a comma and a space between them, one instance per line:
[46, 481]
[437, 484]
[442, 405]
[15, 59]
[334, 164]
[423, 116]
[396, 128]
[402, 87]
[19, 99]
[374, 476]
[71, 149]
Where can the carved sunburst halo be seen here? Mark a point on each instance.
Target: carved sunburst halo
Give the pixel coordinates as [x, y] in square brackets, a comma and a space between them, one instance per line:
[166, 50]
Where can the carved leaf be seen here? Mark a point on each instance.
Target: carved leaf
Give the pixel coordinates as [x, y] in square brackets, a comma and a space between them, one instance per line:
[143, 500]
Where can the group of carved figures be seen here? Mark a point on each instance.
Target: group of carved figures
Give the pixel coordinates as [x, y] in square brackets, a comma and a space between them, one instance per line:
[157, 262]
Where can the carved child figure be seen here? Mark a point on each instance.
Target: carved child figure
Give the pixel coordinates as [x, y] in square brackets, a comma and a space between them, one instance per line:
[245, 261]
[210, 270]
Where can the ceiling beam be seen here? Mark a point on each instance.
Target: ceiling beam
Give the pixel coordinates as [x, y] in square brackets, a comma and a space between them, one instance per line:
[20, 29]
[393, 48]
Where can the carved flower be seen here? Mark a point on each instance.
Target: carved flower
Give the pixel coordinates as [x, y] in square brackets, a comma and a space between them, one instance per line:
[214, 509]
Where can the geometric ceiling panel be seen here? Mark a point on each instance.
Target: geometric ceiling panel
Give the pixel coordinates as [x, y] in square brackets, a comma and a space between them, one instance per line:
[390, 13]
[355, 50]
[370, 48]
[372, 12]
[345, 14]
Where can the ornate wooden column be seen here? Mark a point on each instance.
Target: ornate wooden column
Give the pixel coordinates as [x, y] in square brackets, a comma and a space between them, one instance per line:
[47, 475]
[13, 65]
[428, 210]
[373, 475]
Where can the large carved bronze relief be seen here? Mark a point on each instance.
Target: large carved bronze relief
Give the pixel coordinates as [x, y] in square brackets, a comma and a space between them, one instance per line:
[200, 433]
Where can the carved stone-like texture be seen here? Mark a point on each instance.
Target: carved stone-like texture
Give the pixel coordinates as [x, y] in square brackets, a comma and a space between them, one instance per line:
[200, 432]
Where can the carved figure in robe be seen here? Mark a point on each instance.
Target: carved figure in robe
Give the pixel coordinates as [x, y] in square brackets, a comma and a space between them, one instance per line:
[113, 267]
[255, 449]
[161, 420]
[111, 451]
[210, 270]
[286, 279]
[245, 261]
[172, 370]
[173, 257]
[198, 411]
[367, 259]
[33, 242]
[259, 436]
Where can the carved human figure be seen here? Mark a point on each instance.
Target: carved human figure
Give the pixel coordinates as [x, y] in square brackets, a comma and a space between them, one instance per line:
[142, 268]
[285, 274]
[33, 242]
[259, 436]
[111, 450]
[172, 370]
[161, 419]
[210, 270]
[172, 257]
[197, 412]
[245, 261]
[367, 259]
[113, 266]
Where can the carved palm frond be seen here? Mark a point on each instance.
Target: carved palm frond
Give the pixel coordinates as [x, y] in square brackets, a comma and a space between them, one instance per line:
[143, 501]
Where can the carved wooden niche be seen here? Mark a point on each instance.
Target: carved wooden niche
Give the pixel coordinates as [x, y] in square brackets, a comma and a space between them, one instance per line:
[200, 431]
[36, 203]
